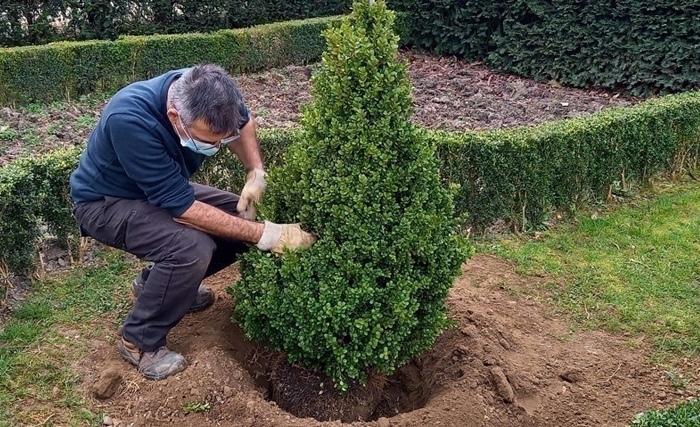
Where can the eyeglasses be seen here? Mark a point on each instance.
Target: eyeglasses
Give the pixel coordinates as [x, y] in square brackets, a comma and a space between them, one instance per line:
[222, 142]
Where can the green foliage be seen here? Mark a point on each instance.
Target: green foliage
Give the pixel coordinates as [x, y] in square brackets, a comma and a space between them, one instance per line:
[190, 407]
[7, 134]
[686, 414]
[522, 174]
[519, 175]
[453, 27]
[28, 22]
[370, 294]
[34, 192]
[67, 70]
[638, 46]
[33, 22]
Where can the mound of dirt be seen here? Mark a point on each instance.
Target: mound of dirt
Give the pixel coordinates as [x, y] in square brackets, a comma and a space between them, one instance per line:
[511, 360]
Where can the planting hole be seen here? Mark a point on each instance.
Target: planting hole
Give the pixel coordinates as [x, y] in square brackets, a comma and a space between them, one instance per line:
[305, 393]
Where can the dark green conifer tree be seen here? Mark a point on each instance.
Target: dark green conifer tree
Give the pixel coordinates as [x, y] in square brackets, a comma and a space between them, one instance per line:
[371, 293]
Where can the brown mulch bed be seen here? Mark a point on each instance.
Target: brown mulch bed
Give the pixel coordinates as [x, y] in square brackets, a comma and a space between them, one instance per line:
[448, 94]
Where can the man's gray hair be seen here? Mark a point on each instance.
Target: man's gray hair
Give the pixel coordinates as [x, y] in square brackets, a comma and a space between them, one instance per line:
[207, 92]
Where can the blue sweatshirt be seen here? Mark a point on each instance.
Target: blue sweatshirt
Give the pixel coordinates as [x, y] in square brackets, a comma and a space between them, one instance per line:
[134, 152]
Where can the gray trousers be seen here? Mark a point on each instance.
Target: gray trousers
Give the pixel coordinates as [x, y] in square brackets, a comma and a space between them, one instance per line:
[183, 257]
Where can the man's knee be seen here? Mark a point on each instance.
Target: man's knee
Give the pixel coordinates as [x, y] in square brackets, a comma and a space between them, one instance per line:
[194, 247]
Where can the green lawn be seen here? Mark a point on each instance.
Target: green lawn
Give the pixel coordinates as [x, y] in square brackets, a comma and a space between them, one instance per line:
[632, 268]
[51, 330]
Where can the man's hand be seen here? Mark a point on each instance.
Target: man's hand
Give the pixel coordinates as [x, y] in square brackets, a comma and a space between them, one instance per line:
[276, 237]
[251, 194]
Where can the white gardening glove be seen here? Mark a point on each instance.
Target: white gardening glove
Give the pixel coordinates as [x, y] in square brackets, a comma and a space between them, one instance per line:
[275, 237]
[251, 194]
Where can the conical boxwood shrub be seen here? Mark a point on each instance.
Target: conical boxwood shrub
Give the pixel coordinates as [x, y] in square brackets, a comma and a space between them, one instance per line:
[370, 294]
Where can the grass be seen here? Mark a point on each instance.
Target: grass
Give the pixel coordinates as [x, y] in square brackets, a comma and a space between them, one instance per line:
[53, 328]
[633, 268]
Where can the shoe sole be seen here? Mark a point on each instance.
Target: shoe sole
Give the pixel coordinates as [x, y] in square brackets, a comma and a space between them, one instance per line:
[164, 375]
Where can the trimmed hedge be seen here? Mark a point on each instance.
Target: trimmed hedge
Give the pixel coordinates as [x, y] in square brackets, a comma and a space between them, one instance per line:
[34, 196]
[519, 175]
[67, 70]
[33, 22]
[638, 46]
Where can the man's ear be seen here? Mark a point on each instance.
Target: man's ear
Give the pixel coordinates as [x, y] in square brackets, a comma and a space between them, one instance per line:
[172, 114]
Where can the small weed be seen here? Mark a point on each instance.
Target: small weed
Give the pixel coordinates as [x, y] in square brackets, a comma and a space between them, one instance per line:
[31, 138]
[94, 99]
[84, 122]
[677, 380]
[263, 112]
[57, 105]
[34, 108]
[8, 134]
[54, 129]
[190, 407]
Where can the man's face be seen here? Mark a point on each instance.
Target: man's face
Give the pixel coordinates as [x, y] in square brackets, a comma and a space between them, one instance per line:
[199, 131]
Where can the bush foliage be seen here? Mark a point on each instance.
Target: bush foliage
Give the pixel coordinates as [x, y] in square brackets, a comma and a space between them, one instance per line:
[519, 175]
[34, 195]
[34, 22]
[370, 294]
[638, 46]
[68, 70]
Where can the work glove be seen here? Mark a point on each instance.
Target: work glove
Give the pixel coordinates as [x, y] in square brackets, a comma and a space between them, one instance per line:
[251, 194]
[275, 237]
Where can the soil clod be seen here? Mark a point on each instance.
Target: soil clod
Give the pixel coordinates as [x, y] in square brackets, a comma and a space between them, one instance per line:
[503, 387]
[108, 383]
[572, 376]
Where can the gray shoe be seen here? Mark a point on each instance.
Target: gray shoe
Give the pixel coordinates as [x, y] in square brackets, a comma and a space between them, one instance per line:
[154, 365]
[205, 297]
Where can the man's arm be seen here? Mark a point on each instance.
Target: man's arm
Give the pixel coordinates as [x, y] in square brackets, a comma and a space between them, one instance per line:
[266, 236]
[246, 148]
[218, 223]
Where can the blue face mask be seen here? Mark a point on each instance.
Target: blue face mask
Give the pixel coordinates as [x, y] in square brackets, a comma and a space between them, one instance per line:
[199, 147]
[194, 145]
